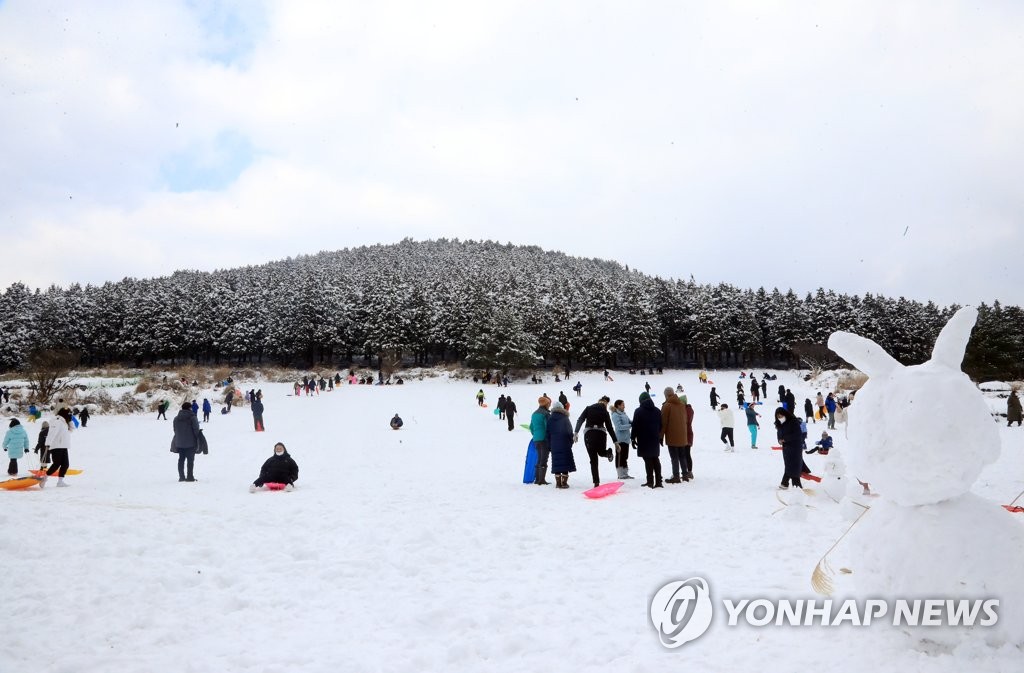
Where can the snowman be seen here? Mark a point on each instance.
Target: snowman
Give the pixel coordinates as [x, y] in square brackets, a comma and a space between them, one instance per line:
[834, 476]
[922, 435]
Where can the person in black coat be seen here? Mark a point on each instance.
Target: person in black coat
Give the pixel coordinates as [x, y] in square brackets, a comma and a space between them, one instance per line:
[790, 401]
[257, 412]
[809, 410]
[598, 428]
[84, 416]
[280, 468]
[563, 399]
[501, 407]
[510, 412]
[186, 441]
[645, 434]
[714, 398]
[782, 394]
[396, 422]
[792, 440]
[560, 438]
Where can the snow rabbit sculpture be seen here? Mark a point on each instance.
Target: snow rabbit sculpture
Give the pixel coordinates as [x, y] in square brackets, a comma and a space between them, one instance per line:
[921, 435]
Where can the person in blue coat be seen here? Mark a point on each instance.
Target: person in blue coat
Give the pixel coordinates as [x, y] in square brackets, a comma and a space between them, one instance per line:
[792, 440]
[645, 433]
[830, 407]
[539, 432]
[207, 408]
[621, 422]
[823, 445]
[15, 444]
[560, 439]
[195, 408]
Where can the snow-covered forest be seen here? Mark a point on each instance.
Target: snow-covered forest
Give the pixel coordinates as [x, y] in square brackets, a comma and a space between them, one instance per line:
[484, 303]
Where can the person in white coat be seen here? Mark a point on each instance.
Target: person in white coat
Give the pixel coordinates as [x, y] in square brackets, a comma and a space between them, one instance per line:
[725, 417]
[58, 443]
[623, 427]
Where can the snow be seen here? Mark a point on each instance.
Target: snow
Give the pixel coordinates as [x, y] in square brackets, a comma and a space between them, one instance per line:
[421, 549]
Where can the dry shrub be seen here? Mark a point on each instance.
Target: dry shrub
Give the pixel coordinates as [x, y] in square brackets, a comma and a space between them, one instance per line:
[127, 404]
[220, 374]
[100, 400]
[851, 380]
[143, 386]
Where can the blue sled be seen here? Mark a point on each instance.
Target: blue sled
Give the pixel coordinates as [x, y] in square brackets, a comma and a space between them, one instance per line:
[530, 471]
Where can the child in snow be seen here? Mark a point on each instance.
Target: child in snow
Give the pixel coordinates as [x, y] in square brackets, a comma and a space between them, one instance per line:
[725, 418]
[578, 388]
[809, 410]
[280, 468]
[823, 445]
[396, 422]
[480, 397]
[15, 444]
[44, 456]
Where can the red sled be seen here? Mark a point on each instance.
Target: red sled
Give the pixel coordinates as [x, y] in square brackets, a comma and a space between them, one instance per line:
[808, 475]
[776, 448]
[1016, 509]
[274, 486]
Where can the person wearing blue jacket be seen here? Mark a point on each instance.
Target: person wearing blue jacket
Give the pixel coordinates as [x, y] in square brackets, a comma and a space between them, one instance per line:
[830, 407]
[207, 408]
[621, 423]
[645, 433]
[560, 439]
[15, 444]
[823, 445]
[195, 408]
[539, 432]
[792, 440]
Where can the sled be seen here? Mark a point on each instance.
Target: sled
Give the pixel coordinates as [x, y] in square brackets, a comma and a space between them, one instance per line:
[808, 475]
[524, 426]
[530, 469]
[40, 473]
[19, 484]
[603, 490]
[1016, 509]
[776, 448]
[497, 412]
[274, 486]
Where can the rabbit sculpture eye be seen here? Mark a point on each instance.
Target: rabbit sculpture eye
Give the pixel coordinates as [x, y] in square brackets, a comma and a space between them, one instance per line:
[920, 434]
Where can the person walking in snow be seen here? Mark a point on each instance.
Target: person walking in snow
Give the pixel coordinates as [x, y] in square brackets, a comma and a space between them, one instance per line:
[830, 408]
[1013, 409]
[809, 410]
[675, 432]
[579, 389]
[185, 441]
[480, 397]
[539, 433]
[714, 398]
[280, 468]
[161, 410]
[740, 400]
[58, 444]
[645, 433]
[207, 408]
[621, 423]
[752, 425]
[725, 417]
[647, 387]
[764, 388]
[229, 398]
[84, 416]
[597, 424]
[195, 408]
[44, 455]
[501, 407]
[257, 412]
[561, 439]
[755, 390]
[510, 413]
[15, 444]
[782, 394]
[788, 428]
[790, 401]
[563, 399]
[820, 403]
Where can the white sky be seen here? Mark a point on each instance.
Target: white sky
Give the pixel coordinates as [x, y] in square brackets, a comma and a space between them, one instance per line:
[863, 146]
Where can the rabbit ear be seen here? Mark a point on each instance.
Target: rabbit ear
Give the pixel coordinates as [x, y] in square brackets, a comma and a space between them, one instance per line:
[863, 353]
[952, 342]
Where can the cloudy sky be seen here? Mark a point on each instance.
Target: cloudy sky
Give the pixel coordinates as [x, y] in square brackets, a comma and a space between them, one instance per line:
[863, 146]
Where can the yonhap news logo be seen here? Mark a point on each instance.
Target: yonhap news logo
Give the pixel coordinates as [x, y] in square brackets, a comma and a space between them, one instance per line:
[682, 611]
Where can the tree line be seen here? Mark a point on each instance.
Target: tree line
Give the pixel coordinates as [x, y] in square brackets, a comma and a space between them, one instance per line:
[479, 302]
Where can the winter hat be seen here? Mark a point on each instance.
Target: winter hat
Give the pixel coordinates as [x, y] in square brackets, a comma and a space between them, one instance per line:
[14, 421]
[605, 399]
[46, 424]
[644, 396]
[544, 401]
[668, 391]
[557, 406]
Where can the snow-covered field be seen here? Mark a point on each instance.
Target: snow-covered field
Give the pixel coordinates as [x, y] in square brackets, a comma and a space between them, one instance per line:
[422, 550]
